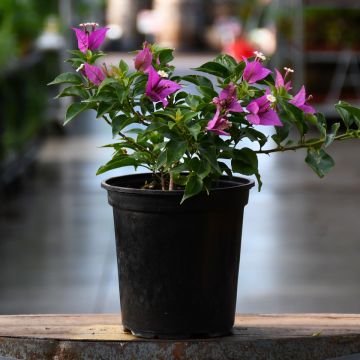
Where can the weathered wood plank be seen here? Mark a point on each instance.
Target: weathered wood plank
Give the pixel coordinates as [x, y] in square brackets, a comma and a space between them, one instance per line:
[307, 336]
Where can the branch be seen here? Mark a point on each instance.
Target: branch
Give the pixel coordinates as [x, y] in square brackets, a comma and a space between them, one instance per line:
[316, 143]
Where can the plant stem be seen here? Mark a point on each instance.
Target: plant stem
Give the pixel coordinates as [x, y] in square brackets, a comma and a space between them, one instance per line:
[304, 145]
[107, 120]
[162, 182]
[171, 182]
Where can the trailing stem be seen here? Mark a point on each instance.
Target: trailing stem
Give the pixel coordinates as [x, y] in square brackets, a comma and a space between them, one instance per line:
[316, 143]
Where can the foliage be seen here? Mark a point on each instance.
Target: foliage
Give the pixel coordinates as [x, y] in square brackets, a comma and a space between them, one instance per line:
[19, 125]
[189, 140]
[20, 23]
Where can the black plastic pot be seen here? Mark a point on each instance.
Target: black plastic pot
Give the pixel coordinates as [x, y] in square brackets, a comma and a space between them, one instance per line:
[178, 264]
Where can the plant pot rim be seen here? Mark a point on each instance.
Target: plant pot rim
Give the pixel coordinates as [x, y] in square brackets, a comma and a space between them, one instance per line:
[112, 184]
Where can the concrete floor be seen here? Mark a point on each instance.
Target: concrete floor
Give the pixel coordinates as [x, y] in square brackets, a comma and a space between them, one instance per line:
[301, 241]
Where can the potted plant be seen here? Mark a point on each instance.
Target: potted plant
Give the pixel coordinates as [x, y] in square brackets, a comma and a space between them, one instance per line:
[178, 225]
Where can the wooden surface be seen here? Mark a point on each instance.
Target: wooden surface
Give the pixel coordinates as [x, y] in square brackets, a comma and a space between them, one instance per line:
[326, 336]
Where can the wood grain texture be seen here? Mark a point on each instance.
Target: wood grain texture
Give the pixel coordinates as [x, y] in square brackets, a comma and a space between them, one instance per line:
[108, 327]
[305, 336]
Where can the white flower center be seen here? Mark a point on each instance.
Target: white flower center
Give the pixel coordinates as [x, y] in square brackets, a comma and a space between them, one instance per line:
[163, 74]
[271, 98]
[80, 67]
[288, 70]
[94, 25]
[260, 55]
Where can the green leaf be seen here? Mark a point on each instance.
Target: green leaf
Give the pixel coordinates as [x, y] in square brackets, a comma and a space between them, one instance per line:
[209, 154]
[214, 68]
[94, 57]
[331, 136]
[348, 113]
[68, 77]
[161, 160]
[255, 135]
[282, 132]
[119, 146]
[171, 124]
[188, 116]
[297, 117]
[120, 122]
[103, 109]
[226, 60]
[181, 168]
[345, 116]
[74, 110]
[198, 80]
[122, 95]
[244, 161]
[193, 186]
[123, 66]
[107, 96]
[75, 62]
[258, 178]
[225, 169]
[174, 151]
[157, 125]
[207, 92]
[138, 131]
[195, 130]
[180, 179]
[180, 96]
[73, 91]
[106, 83]
[118, 162]
[200, 167]
[139, 86]
[351, 109]
[321, 124]
[319, 161]
[78, 53]
[166, 56]
[238, 71]
[193, 101]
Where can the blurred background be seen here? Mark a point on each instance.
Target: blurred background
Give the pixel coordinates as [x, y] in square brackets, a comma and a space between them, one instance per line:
[301, 243]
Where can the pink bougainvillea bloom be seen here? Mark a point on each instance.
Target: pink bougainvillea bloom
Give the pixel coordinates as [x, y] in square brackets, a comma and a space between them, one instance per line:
[299, 100]
[261, 113]
[254, 71]
[227, 100]
[143, 60]
[218, 124]
[157, 88]
[90, 39]
[280, 81]
[94, 74]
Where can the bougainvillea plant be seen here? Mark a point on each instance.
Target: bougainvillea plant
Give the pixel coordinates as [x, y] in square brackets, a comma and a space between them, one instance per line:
[187, 140]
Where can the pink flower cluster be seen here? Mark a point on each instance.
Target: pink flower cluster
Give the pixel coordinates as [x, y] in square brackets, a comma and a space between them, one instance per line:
[158, 88]
[226, 102]
[260, 111]
[91, 38]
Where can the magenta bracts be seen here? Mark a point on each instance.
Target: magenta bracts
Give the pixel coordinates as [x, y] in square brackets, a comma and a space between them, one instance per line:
[158, 88]
[90, 39]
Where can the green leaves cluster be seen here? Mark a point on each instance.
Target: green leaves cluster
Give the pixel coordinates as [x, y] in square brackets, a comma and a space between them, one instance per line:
[172, 142]
[316, 134]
